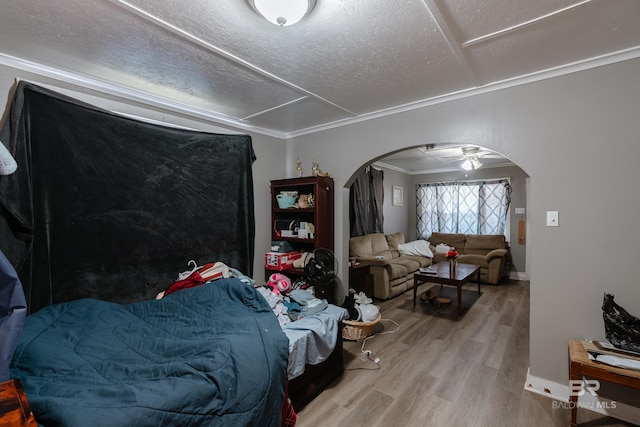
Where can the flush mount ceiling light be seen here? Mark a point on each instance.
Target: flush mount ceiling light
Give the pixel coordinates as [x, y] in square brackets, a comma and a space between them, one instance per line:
[283, 12]
[471, 164]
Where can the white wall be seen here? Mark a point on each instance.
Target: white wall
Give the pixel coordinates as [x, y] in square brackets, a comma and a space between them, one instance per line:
[578, 139]
[396, 218]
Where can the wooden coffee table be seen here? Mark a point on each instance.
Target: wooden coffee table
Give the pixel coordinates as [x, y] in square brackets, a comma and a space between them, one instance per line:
[463, 274]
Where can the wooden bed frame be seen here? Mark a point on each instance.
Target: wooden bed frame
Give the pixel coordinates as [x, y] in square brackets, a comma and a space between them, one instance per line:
[317, 378]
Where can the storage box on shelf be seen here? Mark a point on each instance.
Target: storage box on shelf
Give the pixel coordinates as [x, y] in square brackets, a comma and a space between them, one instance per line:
[280, 261]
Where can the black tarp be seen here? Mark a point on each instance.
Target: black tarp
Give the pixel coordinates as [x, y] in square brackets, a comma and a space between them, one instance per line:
[113, 208]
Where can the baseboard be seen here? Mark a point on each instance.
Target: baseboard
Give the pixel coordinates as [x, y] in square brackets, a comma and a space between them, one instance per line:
[601, 405]
[516, 275]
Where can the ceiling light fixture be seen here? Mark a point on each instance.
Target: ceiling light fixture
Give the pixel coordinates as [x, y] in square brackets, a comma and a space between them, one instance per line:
[283, 12]
[471, 164]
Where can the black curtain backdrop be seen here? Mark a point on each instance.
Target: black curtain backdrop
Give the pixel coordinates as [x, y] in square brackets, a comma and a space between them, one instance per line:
[113, 208]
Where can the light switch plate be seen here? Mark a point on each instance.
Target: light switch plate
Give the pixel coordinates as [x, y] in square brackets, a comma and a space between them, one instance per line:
[520, 211]
[552, 218]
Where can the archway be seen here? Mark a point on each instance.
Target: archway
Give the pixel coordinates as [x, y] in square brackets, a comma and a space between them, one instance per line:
[403, 218]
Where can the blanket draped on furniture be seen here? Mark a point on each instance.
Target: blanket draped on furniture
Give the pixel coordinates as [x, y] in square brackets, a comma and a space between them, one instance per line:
[109, 207]
[210, 355]
[13, 310]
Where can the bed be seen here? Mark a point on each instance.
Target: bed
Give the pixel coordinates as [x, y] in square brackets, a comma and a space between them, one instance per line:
[132, 202]
[210, 355]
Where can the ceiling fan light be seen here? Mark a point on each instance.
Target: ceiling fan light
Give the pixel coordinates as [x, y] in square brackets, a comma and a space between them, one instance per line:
[471, 164]
[283, 12]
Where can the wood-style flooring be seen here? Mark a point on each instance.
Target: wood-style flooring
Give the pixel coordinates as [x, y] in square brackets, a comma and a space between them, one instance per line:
[439, 372]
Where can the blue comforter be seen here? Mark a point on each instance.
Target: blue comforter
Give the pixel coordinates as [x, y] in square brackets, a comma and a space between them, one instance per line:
[211, 355]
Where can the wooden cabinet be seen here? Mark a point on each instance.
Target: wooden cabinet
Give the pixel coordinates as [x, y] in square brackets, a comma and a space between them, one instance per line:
[319, 215]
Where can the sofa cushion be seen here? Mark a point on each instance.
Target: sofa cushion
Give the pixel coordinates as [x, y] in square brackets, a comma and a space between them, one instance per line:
[455, 240]
[360, 246]
[394, 240]
[410, 265]
[396, 270]
[479, 260]
[482, 244]
[378, 243]
[421, 260]
[368, 245]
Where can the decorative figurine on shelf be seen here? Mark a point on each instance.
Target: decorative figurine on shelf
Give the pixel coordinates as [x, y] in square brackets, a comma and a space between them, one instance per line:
[303, 201]
[315, 169]
[299, 170]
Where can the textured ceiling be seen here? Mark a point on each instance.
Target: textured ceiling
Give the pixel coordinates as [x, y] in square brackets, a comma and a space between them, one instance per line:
[348, 60]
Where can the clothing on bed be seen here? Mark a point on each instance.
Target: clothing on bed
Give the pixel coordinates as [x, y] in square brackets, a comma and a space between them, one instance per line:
[208, 355]
[309, 304]
[13, 310]
[312, 338]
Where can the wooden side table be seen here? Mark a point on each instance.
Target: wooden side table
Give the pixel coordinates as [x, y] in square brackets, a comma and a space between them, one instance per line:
[360, 279]
[580, 366]
[14, 407]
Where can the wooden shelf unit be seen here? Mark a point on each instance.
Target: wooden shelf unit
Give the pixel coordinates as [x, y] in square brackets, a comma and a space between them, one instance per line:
[320, 215]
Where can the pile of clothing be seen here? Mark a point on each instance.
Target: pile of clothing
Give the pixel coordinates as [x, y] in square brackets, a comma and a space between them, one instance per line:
[297, 304]
[199, 275]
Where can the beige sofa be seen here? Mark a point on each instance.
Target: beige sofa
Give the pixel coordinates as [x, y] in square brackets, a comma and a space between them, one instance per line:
[392, 273]
[488, 251]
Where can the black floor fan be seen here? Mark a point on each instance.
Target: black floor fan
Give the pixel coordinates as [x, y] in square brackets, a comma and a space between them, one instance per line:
[321, 271]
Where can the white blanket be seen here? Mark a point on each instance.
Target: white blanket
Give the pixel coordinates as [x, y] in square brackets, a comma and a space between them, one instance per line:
[441, 248]
[417, 247]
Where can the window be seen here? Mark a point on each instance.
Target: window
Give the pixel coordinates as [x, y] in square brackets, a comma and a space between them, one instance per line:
[472, 207]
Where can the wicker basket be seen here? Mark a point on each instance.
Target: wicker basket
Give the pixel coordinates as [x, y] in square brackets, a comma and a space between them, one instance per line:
[358, 330]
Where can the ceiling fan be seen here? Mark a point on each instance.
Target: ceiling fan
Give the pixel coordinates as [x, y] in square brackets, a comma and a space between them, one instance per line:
[471, 161]
[469, 155]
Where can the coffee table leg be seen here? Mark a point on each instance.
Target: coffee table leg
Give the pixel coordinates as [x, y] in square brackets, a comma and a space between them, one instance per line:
[459, 297]
[479, 282]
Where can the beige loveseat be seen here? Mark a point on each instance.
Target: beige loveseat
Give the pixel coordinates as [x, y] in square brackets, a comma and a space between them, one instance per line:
[488, 251]
[392, 273]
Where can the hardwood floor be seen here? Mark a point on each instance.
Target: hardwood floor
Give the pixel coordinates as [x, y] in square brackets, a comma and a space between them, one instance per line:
[439, 372]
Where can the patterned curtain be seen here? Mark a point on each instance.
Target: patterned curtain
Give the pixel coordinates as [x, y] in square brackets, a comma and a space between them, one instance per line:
[476, 207]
